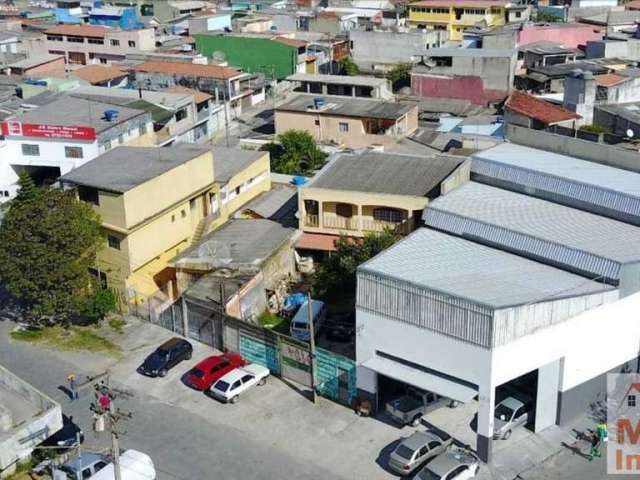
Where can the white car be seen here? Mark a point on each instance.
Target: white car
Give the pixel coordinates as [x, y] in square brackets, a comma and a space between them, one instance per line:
[238, 381]
[454, 464]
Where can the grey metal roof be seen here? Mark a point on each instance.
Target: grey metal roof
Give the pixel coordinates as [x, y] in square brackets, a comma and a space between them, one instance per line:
[124, 168]
[359, 80]
[578, 183]
[482, 275]
[73, 111]
[240, 244]
[34, 61]
[386, 173]
[278, 204]
[566, 237]
[348, 107]
[627, 111]
[471, 52]
[228, 162]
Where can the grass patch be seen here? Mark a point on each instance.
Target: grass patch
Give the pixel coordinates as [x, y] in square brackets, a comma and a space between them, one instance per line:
[73, 338]
[117, 324]
[269, 320]
[22, 471]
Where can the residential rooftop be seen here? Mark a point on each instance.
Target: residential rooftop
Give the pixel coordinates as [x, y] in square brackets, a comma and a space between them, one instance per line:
[461, 3]
[94, 31]
[627, 111]
[98, 73]
[187, 69]
[538, 109]
[453, 266]
[572, 239]
[386, 173]
[347, 107]
[228, 162]
[124, 168]
[571, 181]
[34, 61]
[471, 52]
[67, 110]
[359, 80]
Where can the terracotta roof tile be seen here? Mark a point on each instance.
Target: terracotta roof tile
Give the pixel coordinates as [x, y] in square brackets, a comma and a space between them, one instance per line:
[79, 30]
[198, 96]
[98, 73]
[317, 241]
[192, 69]
[291, 42]
[538, 109]
[609, 79]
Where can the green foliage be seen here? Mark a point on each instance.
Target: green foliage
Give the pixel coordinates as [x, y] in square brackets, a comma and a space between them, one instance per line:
[547, 17]
[100, 302]
[73, 338]
[269, 320]
[400, 76]
[48, 241]
[595, 128]
[348, 67]
[337, 273]
[117, 324]
[296, 153]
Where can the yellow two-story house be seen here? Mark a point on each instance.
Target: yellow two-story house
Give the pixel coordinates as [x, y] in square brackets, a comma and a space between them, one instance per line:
[456, 15]
[156, 202]
[369, 192]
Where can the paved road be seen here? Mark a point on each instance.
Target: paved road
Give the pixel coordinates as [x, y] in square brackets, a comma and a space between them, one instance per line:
[181, 444]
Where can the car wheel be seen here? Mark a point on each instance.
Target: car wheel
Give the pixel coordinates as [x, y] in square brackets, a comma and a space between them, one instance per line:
[263, 381]
[234, 399]
[506, 435]
[416, 421]
[162, 373]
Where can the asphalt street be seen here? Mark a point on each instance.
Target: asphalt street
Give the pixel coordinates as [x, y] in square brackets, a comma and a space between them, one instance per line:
[181, 444]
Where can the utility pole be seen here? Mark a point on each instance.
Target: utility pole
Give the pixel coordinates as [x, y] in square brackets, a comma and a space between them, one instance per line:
[312, 349]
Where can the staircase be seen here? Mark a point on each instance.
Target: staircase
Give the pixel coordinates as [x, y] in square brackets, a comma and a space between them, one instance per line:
[199, 231]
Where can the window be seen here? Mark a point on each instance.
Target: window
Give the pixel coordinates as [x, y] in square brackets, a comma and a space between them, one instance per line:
[54, 38]
[181, 114]
[73, 152]
[246, 378]
[343, 127]
[173, 218]
[31, 150]
[192, 204]
[114, 242]
[631, 401]
[344, 210]
[75, 39]
[99, 466]
[238, 190]
[89, 195]
[433, 445]
[390, 215]
[103, 61]
[317, 122]
[518, 14]
[6, 193]
[143, 129]
[132, 44]
[115, 43]
[183, 213]
[86, 473]
[121, 139]
[95, 41]
[235, 385]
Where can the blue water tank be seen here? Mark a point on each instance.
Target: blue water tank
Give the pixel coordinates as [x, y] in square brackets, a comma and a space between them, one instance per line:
[318, 102]
[110, 115]
[299, 180]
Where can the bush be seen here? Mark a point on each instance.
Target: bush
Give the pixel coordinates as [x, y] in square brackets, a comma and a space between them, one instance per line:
[99, 304]
[595, 128]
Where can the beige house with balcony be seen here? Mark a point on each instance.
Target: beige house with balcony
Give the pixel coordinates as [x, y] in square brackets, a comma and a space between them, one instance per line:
[372, 191]
[348, 121]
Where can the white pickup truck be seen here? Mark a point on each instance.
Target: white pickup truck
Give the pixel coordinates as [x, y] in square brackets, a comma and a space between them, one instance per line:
[134, 465]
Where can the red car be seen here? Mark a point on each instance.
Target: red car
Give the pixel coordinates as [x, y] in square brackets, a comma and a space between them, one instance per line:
[211, 369]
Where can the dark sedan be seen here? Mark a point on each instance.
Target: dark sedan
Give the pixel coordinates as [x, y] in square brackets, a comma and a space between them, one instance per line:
[165, 357]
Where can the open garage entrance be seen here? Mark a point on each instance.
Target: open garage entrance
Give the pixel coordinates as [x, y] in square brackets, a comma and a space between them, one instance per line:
[524, 389]
[42, 176]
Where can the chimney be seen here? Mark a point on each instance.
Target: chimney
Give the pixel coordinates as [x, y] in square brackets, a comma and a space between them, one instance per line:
[580, 95]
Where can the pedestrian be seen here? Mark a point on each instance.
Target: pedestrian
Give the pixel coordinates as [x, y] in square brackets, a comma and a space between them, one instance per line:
[73, 387]
[595, 446]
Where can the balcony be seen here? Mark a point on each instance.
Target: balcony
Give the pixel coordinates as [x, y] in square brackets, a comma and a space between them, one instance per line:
[311, 221]
[356, 224]
[402, 228]
[340, 223]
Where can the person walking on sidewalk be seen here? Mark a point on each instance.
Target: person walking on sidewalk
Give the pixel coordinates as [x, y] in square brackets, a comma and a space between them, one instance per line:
[73, 387]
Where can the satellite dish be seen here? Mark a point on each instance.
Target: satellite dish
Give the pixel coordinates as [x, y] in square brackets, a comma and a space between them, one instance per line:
[219, 56]
[630, 133]
[215, 252]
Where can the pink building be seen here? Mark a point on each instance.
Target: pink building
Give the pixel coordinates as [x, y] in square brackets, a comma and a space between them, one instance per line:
[569, 35]
[87, 44]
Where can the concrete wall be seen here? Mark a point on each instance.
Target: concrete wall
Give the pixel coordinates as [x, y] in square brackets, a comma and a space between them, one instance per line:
[575, 147]
[569, 36]
[463, 87]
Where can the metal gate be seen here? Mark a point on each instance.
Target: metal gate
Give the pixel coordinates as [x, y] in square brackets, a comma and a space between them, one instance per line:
[170, 318]
[204, 325]
[295, 358]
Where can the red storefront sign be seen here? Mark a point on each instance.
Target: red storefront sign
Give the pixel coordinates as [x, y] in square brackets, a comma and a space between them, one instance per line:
[35, 130]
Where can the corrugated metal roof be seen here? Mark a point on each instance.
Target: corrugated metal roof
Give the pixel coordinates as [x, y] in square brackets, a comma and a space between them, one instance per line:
[477, 273]
[559, 178]
[537, 228]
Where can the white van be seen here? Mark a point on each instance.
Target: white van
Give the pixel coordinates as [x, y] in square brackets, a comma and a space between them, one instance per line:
[299, 327]
[134, 465]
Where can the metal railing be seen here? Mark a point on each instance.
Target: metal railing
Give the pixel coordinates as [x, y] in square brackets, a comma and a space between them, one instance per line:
[341, 223]
[311, 220]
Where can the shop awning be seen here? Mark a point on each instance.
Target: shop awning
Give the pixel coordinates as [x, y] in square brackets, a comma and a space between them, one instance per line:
[317, 241]
[420, 379]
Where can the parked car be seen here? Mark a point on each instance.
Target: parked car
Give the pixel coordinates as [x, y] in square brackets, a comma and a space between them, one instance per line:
[80, 467]
[134, 465]
[409, 409]
[211, 369]
[67, 436]
[454, 464]
[165, 357]
[238, 381]
[415, 450]
[510, 413]
[300, 323]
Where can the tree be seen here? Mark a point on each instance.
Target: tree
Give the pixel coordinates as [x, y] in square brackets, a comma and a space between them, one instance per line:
[338, 272]
[100, 302]
[48, 242]
[400, 76]
[348, 67]
[548, 17]
[295, 154]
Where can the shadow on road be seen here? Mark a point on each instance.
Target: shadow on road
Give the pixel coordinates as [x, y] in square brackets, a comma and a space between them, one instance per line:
[383, 456]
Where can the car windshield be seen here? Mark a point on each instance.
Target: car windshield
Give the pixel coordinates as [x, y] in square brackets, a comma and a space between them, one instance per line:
[222, 386]
[504, 410]
[68, 470]
[161, 354]
[404, 452]
[300, 326]
[427, 474]
[197, 373]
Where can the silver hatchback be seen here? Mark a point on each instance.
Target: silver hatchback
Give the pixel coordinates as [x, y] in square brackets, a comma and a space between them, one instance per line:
[415, 450]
